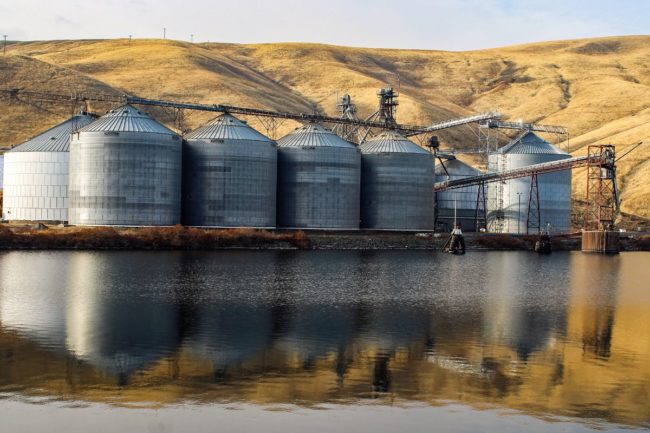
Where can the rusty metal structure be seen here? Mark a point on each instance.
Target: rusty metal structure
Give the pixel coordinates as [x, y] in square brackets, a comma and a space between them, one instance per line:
[602, 189]
[599, 235]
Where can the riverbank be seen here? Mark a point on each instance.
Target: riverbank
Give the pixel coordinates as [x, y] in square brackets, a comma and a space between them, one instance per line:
[43, 237]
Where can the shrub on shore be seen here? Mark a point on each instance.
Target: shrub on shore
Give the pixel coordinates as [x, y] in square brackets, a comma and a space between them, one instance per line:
[150, 238]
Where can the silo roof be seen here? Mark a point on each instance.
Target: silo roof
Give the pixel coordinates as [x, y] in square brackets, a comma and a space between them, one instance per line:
[313, 135]
[456, 167]
[127, 119]
[531, 143]
[226, 127]
[391, 142]
[57, 138]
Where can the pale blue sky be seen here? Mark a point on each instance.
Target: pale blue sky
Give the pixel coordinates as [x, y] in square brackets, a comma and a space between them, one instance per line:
[426, 24]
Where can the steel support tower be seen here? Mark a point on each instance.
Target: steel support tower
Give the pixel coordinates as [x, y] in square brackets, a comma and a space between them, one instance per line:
[602, 190]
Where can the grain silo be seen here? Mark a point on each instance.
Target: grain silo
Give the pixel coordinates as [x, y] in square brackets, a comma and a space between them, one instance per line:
[36, 174]
[229, 176]
[318, 180]
[125, 169]
[397, 184]
[508, 202]
[2, 168]
[460, 202]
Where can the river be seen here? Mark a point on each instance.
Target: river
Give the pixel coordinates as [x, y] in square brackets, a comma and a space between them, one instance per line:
[320, 341]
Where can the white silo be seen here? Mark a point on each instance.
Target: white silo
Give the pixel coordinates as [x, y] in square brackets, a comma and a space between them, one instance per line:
[36, 175]
[508, 202]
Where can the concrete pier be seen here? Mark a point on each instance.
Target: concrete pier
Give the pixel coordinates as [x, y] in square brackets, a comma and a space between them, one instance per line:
[600, 241]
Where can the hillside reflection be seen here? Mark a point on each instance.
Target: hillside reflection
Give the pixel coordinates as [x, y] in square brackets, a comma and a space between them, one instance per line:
[563, 335]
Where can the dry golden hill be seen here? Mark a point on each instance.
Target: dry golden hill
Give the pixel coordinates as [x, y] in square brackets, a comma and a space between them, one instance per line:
[598, 88]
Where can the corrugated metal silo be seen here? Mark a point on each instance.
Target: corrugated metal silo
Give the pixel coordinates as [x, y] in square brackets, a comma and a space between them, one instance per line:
[125, 169]
[2, 168]
[463, 199]
[36, 174]
[318, 180]
[397, 184]
[508, 201]
[229, 176]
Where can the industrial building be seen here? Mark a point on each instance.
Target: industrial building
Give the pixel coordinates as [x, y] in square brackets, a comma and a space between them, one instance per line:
[397, 184]
[511, 206]
[36, 174]
[318, 180]
[458, 204]
[229, 176]
[125, 170]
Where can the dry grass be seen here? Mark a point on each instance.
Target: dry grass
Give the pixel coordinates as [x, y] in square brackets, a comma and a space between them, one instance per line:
[599, 88]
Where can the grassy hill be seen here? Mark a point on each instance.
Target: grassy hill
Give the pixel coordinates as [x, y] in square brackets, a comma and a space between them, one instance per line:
[598, 88]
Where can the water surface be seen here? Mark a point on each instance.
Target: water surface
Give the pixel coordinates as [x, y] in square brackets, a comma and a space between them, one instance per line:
[324, 341]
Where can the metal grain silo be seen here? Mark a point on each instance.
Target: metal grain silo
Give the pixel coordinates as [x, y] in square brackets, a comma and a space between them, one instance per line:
[397, 184]
[318, 180]
[508, 201]
[461, 201]
[229, 176]
[125, 169]
[36, 174]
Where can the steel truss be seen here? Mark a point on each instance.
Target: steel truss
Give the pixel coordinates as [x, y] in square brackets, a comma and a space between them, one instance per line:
[602, 189]
[384, 118]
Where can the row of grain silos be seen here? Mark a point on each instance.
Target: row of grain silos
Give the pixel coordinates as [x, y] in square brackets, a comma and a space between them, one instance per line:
[126, 169]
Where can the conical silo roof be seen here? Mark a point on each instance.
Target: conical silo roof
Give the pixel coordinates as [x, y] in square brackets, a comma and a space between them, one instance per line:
[390, 142]
[57, 138]
[226, 127]
[127, 119]
[313, 135]
[456, 167]
[530, 143]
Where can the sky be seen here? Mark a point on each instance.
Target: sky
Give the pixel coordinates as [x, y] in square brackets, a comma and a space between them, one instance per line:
[419, 24]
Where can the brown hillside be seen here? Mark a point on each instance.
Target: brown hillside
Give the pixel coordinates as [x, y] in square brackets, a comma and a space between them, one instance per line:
[598, 88]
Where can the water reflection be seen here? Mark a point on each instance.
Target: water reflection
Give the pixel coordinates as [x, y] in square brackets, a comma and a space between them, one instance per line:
[566, 334]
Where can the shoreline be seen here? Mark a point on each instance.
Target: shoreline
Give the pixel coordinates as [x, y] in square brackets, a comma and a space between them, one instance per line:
[41, 237]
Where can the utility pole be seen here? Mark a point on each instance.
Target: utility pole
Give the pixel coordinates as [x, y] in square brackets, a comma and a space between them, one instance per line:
[130, 36]
[192, 38]
[164, 32]
[4, 47]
